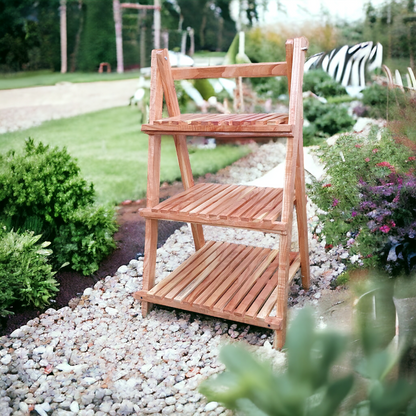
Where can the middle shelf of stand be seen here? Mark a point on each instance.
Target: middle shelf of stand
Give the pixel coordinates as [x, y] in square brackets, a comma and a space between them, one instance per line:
[240, 206]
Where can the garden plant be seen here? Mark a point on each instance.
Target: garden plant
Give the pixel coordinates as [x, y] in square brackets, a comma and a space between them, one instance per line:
[41, 190]
[313, 382]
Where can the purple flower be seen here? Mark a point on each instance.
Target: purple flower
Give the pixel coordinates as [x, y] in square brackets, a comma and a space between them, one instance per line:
[350, 242]
[354, 214]
[335, 202]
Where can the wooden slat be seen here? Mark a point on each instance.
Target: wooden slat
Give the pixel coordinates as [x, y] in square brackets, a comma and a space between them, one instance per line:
[273, 227]
[206, 253]
[257, 288]
[218, 263]
[235, 268]
[196, 271]
[194, 200]
[245, 268]
[193, 259]
[235, 285]
[238, 202]
[200, 293]
[261, 207]
[237, 194]
[261, 298]
[210, 199]
[272, 204]
[193, 130]
[175, 198]
[276, 324]
[254, 201]
[246, 284]
[267, 69]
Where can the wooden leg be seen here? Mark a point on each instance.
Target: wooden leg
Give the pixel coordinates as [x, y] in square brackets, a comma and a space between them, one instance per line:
[282, 288]
[149, 266]
[279, 339]
[198, 234]
[302, 219]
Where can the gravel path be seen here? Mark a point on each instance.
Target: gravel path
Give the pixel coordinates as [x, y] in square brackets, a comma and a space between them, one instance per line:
[26, 107]
[100, 357]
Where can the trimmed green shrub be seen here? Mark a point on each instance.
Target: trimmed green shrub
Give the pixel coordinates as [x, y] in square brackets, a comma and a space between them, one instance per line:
[384, 103]
[322, 84]
[270, 87]
[25, 274]
[86, 238]
[42, 190]
[328, 119]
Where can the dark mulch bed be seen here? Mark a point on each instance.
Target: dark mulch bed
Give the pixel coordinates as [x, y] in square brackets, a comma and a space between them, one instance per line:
[130, 243]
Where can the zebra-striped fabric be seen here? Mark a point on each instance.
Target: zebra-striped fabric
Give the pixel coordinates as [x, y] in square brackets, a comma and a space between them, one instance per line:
[347, 64]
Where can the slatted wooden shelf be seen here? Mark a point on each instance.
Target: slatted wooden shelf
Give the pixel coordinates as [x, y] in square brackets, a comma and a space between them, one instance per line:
[225, 280]
[275, 123]
[239, 206]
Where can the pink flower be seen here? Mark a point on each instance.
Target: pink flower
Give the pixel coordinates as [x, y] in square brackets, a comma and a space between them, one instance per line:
[367, 159]
[384, 228]
[375, 150]
[350, 242]
[392, 223]
[386, 164]
[358, 145]
[412, 158]
[335, 202]
[328, 185]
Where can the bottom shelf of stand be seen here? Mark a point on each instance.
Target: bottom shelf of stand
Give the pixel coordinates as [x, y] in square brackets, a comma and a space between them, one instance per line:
[225, 280]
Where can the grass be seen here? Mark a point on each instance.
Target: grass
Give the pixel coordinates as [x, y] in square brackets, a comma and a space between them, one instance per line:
[39, 78]
[112, 152]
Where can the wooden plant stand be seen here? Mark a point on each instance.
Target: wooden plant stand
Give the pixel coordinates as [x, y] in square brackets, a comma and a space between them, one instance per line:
[236, 282]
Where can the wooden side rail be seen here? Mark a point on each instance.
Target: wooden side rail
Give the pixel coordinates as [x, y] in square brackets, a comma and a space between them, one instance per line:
[268, 69]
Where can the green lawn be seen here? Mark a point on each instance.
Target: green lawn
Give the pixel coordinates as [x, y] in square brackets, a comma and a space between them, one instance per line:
[112, 152]
[39, 78]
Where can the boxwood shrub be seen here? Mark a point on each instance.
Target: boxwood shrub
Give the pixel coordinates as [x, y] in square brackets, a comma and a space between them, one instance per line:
[41, 190]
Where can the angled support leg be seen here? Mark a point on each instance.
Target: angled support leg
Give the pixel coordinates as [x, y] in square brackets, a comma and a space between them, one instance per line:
[302, 219]
[171, 99]
[150, 243]
[295, 56]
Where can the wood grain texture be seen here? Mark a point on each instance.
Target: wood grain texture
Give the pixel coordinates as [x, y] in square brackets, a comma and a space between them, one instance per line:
[222, 280]
[225, 205]
[199, 129]
[272, 69]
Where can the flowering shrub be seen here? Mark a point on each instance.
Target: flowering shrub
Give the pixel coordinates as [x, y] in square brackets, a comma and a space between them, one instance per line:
[388, 210]
[368, 198]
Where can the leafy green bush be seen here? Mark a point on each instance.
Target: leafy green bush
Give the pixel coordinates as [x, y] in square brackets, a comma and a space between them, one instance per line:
[270, 87]
[322, 84]
[41, 190]
[86, 238]
[25, 274]
[327, 119]
[309, 387]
